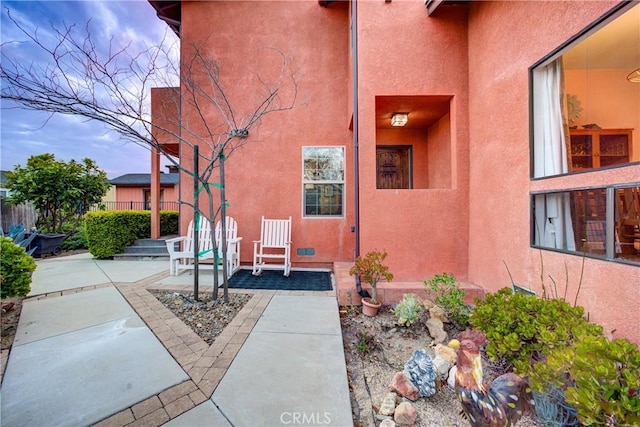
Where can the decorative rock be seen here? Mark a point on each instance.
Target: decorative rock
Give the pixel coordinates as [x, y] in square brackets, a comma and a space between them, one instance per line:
[420, 371]
[405, 414]
[436, 330]
[442, 367]
[451, 380]
[401, 385]
[388, 423]
[447, 353]
[384, 417]
[438, 313]
[388, 404]
[427, 304]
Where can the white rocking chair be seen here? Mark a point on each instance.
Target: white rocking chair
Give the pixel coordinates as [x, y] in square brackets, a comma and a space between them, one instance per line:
[233, 244]
[181, 259]
[274, 244]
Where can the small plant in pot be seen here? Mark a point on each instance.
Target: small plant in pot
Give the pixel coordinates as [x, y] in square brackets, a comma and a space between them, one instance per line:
[371, 270]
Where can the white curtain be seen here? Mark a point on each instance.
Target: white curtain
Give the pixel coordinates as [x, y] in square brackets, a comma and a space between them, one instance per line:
[552, 211]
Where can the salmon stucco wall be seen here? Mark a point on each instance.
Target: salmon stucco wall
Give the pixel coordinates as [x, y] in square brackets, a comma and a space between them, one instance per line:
[402, 52]
[264, 172]
[505, 39]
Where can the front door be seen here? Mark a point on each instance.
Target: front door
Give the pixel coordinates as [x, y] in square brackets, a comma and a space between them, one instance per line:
[393, 165]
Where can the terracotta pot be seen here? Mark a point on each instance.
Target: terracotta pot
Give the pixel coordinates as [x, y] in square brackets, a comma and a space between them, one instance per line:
[369, 309]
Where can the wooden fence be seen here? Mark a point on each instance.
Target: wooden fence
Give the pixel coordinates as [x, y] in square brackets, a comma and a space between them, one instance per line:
[17, 214]
[26, 214]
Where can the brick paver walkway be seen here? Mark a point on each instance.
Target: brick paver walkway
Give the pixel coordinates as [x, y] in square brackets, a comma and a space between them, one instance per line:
[205, 365]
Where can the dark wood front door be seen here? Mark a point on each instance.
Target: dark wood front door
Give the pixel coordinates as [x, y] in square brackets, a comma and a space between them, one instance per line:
[393, 165]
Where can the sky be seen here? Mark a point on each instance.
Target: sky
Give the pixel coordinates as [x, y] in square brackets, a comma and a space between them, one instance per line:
[25, 133]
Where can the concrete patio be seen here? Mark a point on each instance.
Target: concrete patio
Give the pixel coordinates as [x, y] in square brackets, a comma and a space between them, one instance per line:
[93, 346]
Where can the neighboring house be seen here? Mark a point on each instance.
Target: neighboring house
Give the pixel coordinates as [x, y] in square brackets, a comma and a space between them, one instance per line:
[4, 191]
[493, 140]
[133, 191]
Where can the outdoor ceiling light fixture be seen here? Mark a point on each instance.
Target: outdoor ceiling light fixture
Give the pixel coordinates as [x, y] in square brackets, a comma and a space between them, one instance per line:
[399, 119]
[634, 76]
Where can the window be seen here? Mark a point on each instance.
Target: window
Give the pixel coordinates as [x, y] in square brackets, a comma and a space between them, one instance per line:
[323, 181]
[586, 113]
[585, 117]
[601, 222]
[146, 194]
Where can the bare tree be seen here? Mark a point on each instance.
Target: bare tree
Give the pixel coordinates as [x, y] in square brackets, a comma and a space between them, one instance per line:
[113, 86]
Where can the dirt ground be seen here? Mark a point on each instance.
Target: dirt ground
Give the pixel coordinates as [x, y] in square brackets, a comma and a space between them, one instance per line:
[390, 348]
[11, 308]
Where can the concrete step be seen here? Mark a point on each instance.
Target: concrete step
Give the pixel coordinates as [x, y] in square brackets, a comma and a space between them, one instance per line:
[141, 257]
[144, 250]
[150, 242]
[138, 249]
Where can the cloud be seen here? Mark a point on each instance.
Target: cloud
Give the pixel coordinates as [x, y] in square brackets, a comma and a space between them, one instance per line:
[114, 24]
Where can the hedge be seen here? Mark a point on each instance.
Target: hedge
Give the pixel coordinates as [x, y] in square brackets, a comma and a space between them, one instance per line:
[15, 269]
[109, 232]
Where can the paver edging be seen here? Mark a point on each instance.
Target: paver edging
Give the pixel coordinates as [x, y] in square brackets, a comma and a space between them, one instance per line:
[204, 369]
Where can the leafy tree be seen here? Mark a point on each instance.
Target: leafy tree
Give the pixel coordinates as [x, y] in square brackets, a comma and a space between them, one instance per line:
[60, 192]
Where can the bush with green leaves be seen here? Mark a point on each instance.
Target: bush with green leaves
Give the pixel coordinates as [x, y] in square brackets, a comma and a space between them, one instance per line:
[407, 310]
[522, 329]
[446, 293]
[601, 379]
[15, 269]
[109, 232]
[76, 240]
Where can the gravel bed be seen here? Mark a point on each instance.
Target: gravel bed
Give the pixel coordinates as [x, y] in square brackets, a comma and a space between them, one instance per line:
[205, 317]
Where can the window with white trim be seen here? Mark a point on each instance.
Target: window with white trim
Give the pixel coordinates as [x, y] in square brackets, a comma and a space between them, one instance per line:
[323, 181]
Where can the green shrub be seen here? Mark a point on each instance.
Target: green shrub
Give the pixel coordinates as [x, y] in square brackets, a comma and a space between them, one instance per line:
[109, 232]
[407, 310]
[76, 240]
[15, 269]
[447, 294]
[523, 328]
[601, 378]
[168, 223]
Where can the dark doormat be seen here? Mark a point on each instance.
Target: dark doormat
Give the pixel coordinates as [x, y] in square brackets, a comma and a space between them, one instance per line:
[274, 279]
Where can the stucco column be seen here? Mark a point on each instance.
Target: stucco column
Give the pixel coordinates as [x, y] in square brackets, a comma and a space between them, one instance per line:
[155, 193]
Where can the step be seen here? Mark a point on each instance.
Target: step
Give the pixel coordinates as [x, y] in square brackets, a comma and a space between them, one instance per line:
[141, 257]
[389, 293]
[136, 249]
[150, 242]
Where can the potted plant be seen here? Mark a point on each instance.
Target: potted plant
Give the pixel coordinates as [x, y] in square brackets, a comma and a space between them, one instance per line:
[371, 270]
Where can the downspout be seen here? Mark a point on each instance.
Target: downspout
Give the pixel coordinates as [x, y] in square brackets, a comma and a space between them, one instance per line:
[356, 165]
